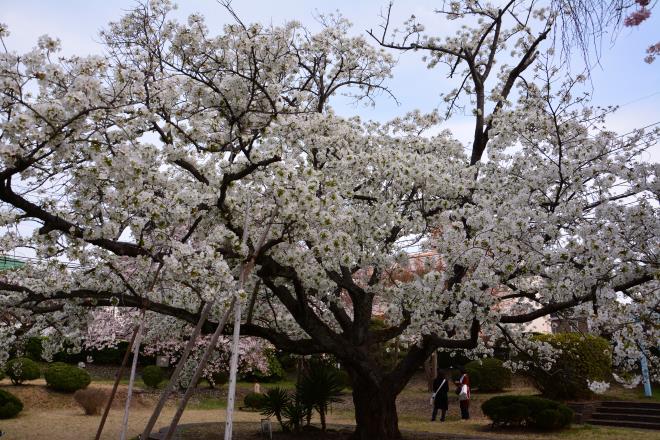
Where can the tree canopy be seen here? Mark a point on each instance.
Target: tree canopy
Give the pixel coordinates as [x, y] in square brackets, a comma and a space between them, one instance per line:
[159, 166]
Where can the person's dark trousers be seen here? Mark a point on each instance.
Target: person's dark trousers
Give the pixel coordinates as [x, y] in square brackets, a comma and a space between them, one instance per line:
[435, 413]
[465, 409]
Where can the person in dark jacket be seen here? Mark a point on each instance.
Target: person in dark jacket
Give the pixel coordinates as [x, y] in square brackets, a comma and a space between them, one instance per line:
[440, 399]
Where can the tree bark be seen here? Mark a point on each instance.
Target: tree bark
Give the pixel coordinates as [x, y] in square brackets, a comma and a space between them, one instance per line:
[375, 412]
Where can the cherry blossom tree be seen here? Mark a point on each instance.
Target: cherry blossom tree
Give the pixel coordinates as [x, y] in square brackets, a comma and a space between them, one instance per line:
[148, 165]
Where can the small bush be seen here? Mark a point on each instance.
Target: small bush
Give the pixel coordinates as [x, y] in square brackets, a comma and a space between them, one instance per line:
[66, 378]
[527, 411]
[254, 400]
[219, 378]
[10, 405]
[488, 375]
[92, 400]
[21, 369]
[583, 358]
[152, 376]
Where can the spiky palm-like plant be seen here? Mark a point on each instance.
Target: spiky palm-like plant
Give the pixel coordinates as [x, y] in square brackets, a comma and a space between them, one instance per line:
[320, 386]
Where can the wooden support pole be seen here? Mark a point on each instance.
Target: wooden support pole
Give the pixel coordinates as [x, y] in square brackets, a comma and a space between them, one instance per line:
[198, 371]
[116, 384]
[177, 371]
[136, 353]
[233, 370]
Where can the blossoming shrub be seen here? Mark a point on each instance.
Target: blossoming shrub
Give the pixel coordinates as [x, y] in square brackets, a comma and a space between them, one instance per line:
[488, 375]
[275, 371]
[152, 375]
[21, 369]
[527, 411]
[66, 378]
[583, 359]
[10, 405]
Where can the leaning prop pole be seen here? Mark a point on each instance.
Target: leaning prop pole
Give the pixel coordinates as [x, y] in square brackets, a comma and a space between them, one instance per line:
[177, 371]
[233, 366]
[136, 353]
[116, 384]
[198, 371]
[245, 273]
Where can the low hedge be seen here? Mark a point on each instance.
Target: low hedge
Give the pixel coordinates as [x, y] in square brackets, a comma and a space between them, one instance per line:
[527, 411]
[66, 378]
[10, 405]
[152, 376]
[488, 375]
[21, 369]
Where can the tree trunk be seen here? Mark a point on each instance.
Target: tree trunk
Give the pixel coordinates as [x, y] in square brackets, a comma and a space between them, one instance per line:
[375, 412]
[322, 417]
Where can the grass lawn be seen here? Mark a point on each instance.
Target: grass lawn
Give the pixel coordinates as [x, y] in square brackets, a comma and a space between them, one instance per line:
[56, 416]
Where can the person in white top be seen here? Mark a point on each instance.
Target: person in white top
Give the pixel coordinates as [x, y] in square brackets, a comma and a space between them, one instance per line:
[464, 394]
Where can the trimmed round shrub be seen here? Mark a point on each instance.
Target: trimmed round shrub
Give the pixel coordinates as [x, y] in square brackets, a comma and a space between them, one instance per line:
[152, 376]
[66, 378]
[488, 375]
[92, 400]
[10, 405]
[583, 358]
[254, 400]
[21, 369]
[527, 411]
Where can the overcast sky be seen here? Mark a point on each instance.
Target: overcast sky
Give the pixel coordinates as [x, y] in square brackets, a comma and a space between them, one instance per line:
[622, 79]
